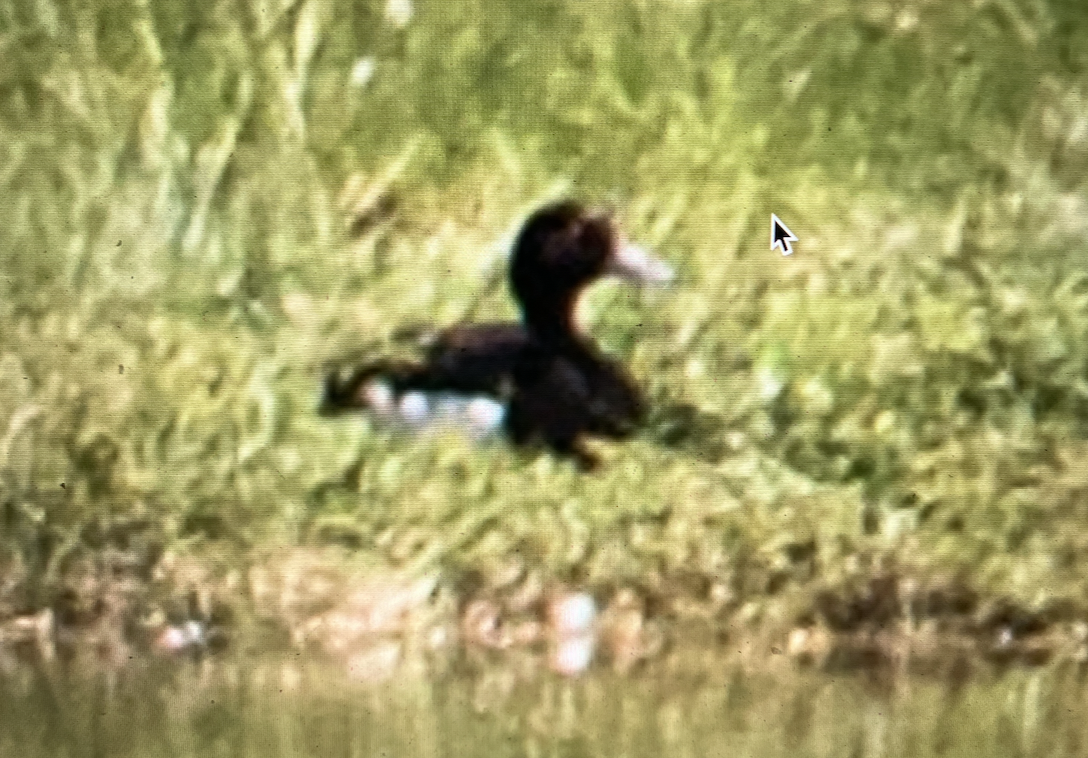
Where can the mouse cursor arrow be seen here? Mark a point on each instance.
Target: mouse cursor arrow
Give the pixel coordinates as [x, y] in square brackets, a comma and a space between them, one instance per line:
[781, 236]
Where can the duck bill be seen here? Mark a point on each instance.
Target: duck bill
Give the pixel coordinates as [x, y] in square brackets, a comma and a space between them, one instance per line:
[637, 264]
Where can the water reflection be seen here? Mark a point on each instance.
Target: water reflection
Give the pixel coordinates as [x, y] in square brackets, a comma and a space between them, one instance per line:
[681, 705]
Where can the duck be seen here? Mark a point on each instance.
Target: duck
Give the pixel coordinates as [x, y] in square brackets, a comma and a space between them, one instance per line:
[541, 380]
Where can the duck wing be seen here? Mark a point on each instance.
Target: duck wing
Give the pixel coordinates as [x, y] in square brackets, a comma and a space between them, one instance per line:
[470, 360]
[481, 358]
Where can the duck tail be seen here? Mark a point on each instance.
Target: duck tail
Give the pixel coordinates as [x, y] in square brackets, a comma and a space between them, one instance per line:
[345, 390]
[338, 393]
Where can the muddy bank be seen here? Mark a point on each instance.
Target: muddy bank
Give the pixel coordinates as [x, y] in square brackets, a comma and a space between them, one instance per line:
[375, 619]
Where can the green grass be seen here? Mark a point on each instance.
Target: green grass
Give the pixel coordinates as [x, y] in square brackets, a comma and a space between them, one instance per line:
[201, 209]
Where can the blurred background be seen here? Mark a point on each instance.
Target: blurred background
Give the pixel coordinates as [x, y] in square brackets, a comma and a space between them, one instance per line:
[866, 454]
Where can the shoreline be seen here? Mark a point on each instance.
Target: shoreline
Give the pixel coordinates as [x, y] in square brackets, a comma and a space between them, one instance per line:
[372, 620]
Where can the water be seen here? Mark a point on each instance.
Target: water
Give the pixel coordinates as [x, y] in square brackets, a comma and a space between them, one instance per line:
[282, 706]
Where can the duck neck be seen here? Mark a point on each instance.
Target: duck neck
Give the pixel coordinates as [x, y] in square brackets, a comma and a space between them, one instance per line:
[552, 324]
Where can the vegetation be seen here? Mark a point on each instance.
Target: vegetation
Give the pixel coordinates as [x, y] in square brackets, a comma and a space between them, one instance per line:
[205, 203]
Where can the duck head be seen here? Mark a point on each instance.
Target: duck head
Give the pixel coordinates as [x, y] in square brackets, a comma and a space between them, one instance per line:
[563, 248]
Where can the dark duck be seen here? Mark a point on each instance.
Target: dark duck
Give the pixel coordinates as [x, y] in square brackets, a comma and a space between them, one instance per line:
[541, 380]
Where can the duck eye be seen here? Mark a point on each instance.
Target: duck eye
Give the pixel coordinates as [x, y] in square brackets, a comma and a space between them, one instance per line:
[595, 236]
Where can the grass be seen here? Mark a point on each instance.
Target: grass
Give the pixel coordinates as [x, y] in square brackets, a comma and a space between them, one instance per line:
[205, 203]
[269, 708]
